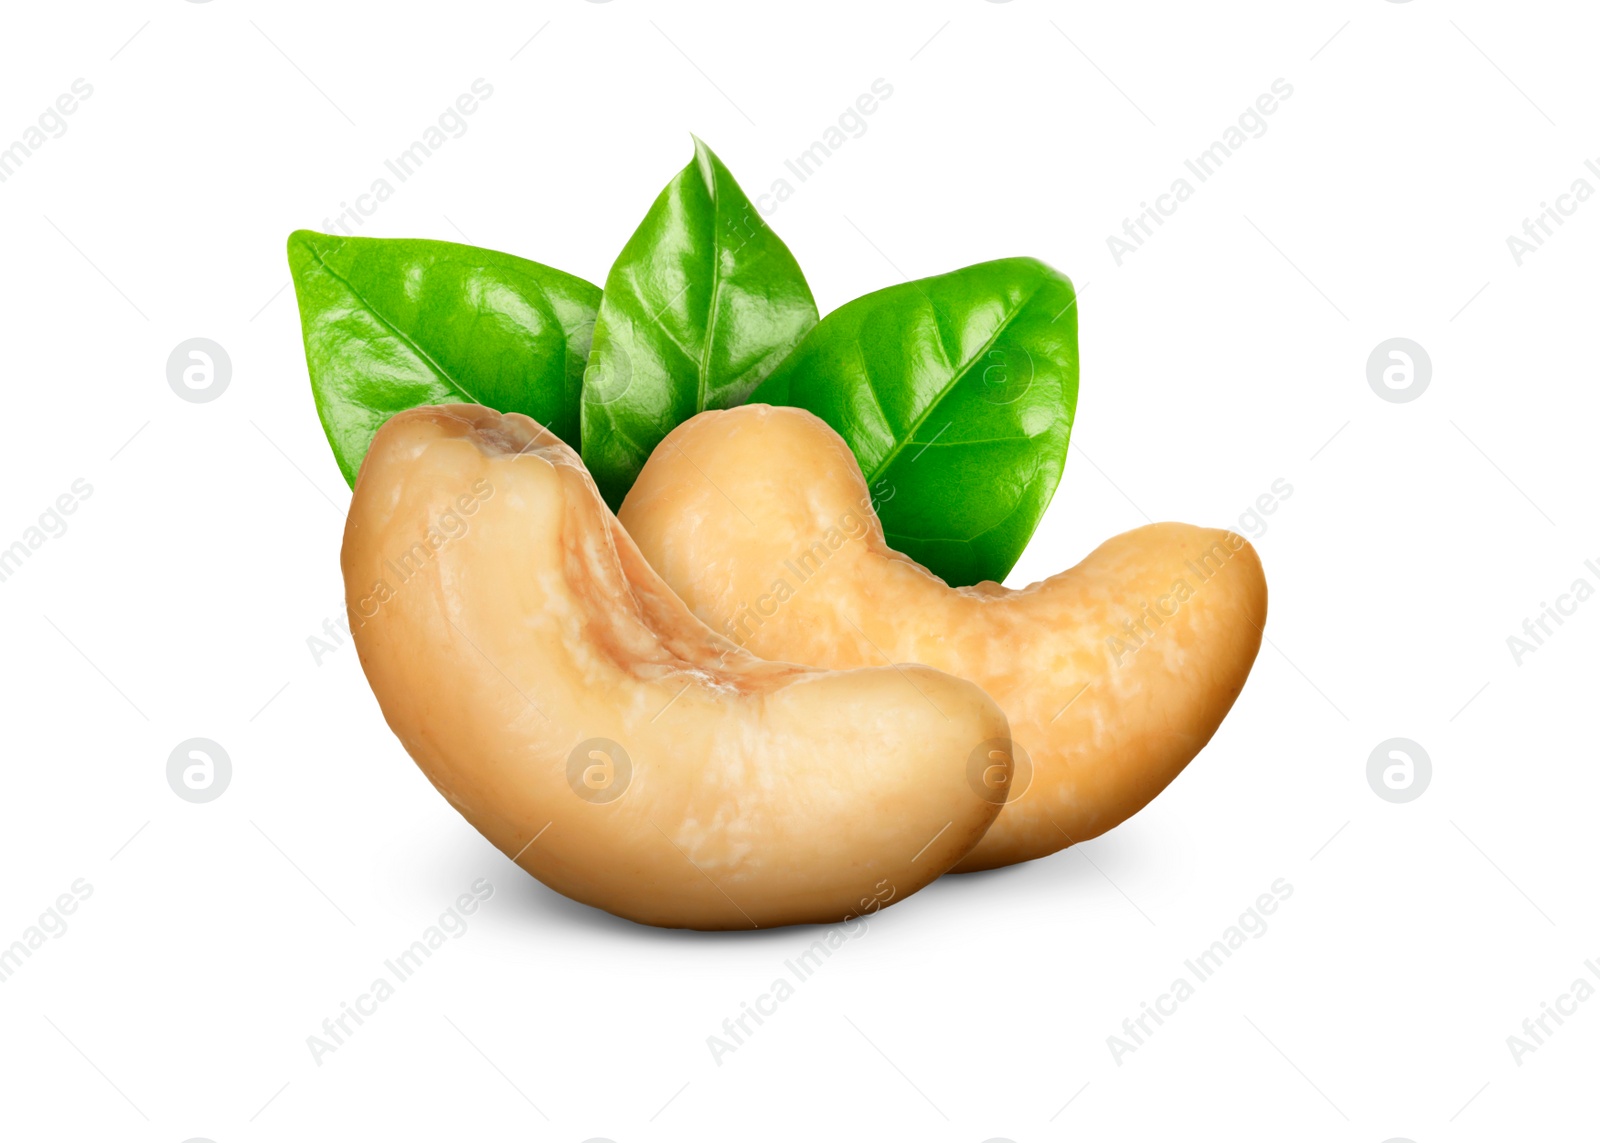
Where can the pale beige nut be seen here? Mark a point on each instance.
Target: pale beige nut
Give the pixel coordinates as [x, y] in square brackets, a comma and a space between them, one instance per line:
[1114, 674]
[574, 711]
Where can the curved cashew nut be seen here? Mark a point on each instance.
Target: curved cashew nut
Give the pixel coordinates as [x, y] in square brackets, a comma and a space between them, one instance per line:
[569, 706]
[1114, 674]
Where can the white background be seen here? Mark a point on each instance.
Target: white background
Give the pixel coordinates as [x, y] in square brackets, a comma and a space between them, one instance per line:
[1229, 352]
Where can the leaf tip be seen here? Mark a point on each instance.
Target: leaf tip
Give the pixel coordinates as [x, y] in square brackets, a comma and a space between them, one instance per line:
[305, 244]
[705, 159]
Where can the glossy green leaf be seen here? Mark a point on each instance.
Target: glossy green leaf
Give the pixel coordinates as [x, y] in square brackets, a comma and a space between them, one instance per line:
[390, 324]
[702, 304]
[956, 394]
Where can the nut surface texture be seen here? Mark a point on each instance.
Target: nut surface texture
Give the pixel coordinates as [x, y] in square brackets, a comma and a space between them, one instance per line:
[566, 702]
[1114, 674]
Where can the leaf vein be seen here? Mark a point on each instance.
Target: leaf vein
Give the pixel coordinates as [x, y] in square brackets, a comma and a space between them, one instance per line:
[426, 357]
[960, 375]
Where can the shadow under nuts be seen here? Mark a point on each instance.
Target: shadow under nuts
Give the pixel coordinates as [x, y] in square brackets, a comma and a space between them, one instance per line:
[567, 703]
[1113, 674]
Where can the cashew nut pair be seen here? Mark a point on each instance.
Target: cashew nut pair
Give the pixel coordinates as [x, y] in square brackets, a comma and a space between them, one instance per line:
[567, 700]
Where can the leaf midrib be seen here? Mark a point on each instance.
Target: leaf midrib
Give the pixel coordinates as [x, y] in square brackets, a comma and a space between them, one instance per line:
[702, 366]
[427, 358]
[958, 377]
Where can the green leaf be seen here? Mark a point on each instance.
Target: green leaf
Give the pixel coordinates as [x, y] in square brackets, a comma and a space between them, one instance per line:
[702, 304]
[956, 394]
[392, 323]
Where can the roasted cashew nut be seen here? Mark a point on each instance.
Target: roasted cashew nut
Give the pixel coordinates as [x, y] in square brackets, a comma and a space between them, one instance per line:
[572, 709]
[1113, 674]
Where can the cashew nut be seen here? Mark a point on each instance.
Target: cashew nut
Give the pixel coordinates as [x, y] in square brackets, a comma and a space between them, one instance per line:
[569, 706]
[1114, 674]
